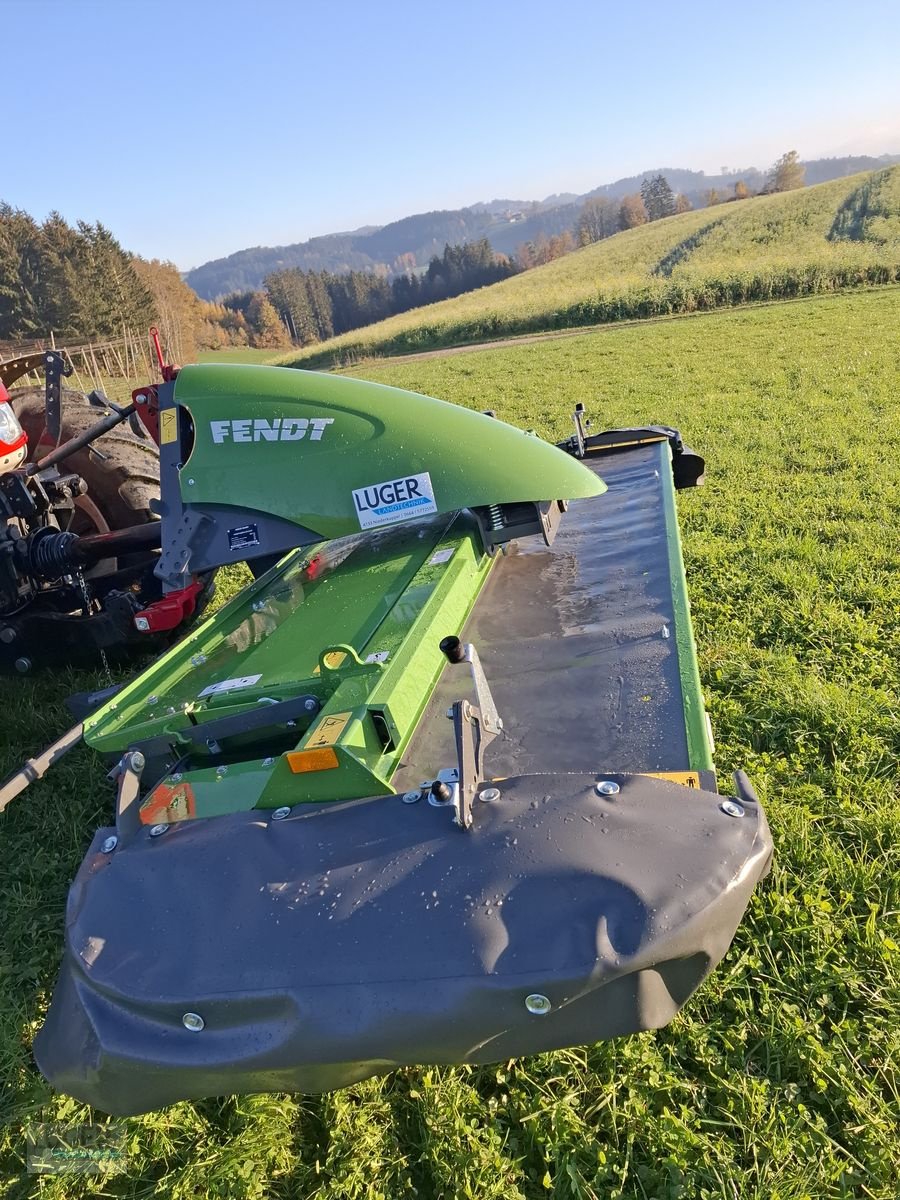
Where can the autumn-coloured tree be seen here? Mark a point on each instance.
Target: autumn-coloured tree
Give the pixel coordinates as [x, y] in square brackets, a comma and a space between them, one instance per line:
[632, 212]
[741, 191]
[267, 331]
[712, 196]
[682, 204]
[178, 312]
[597, 220]
[788, 173]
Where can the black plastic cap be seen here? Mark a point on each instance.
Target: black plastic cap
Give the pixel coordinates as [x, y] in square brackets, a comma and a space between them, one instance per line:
[452, 649]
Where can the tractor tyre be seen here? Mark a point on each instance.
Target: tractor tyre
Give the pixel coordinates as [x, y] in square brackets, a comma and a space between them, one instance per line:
[121, 471]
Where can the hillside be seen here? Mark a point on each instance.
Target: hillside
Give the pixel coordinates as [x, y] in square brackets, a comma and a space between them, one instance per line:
[838, 234]
[506, 224]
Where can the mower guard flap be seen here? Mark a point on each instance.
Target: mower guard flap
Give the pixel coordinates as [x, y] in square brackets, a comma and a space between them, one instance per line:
[354, 937]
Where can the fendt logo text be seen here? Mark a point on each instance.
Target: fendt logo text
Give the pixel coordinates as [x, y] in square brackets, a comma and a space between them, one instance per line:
[280, 429]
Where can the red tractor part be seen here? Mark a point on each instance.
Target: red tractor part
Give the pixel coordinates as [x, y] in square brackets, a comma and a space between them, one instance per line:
[13, 438]
[169, 612]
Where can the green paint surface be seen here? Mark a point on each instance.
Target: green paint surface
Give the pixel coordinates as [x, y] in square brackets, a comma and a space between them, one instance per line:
[356, 624]
[346, 434]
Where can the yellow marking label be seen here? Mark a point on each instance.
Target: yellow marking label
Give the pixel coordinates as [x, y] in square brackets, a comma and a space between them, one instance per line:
[168, 426]
[687, 778]
[333, 660]
[328, 730]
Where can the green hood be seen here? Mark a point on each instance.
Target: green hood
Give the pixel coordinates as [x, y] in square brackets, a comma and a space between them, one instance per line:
[337, 454]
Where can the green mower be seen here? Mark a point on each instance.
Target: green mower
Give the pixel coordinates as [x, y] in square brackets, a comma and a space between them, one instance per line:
[437, 787]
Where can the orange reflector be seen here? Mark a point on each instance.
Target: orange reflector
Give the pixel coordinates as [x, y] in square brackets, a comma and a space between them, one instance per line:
[323, 759]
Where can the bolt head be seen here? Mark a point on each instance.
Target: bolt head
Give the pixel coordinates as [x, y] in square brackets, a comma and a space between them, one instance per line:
[280, 813]
[176, 778]
[142, 624]
[411, 797]
[190, 483]
[488, 795]
[23, 665]
[7, 634]
[151, 700]
[197, 660]
[731, 808]
[310, 705]
[537, 1004]
[607, 787]
[138, 762]
[268, 762]
[158, 830]
[193, 1021]
[140, 399]
[109, 844]
[258, 605]
[221, 771]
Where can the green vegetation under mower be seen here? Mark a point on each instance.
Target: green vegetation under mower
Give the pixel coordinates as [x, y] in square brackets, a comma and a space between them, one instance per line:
[779, 1077]
[566, 870]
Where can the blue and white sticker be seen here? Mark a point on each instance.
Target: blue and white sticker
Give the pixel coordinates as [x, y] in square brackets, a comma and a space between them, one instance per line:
[394, 500]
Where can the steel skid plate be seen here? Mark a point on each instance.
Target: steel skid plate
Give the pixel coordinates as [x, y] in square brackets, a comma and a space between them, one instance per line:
[350, 938]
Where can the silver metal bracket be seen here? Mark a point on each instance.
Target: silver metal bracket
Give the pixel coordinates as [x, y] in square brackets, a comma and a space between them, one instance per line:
[582, 424]
[128, 796]
[490, 718]
[474, 726]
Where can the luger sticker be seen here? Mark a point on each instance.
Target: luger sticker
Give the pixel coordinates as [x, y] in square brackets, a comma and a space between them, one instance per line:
[395, 500]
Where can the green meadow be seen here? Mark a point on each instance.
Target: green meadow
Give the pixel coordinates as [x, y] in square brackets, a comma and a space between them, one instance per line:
[781, 1078]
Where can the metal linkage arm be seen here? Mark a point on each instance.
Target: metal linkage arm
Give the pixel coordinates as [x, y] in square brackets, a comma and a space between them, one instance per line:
[37, 768]
[474, 725]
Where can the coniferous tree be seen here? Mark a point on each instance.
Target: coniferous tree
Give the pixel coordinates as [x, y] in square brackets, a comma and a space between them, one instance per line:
[267, 331]
[658, 197]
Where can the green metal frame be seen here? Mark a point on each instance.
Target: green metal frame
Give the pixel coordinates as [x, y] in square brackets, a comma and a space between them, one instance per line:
[308, 627]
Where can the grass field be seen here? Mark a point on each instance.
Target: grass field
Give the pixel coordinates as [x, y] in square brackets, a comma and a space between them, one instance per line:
[838, 234]
[781, 1080]
[238, 354]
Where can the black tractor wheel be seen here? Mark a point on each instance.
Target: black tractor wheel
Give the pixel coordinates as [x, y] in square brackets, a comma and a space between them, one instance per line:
[121, 471]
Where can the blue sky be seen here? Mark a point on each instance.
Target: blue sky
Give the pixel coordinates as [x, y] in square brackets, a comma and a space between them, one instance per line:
[197, 128]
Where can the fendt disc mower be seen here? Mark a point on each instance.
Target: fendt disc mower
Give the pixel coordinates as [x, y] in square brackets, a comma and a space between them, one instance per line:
[437, 787]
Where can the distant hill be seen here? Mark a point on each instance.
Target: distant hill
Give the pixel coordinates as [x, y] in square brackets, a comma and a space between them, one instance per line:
[843, 233]
[413, 240]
